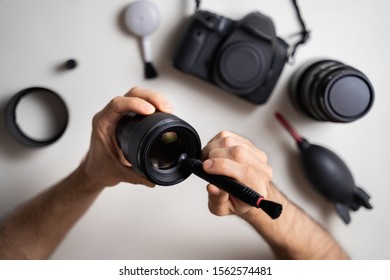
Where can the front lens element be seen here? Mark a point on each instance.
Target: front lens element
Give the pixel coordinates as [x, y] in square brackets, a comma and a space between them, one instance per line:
[166, 150]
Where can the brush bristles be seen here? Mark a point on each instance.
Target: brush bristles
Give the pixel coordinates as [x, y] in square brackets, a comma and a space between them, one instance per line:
[150, 71]
[273, 209]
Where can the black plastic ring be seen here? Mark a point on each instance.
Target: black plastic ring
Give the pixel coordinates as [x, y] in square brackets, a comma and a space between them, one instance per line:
[17, 132]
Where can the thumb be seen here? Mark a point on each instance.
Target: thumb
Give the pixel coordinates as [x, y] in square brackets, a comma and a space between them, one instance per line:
[218, 201]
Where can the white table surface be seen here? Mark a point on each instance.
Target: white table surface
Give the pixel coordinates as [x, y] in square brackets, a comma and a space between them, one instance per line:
[133, 222]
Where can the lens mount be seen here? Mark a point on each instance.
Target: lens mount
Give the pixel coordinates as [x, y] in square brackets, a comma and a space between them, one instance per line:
[242, 67]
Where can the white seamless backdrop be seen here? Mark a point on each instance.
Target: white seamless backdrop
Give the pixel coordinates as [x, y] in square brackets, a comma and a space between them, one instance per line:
[133, 222]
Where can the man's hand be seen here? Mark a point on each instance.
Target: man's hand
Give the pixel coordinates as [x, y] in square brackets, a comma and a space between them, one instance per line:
[105, 164]
[234, 156]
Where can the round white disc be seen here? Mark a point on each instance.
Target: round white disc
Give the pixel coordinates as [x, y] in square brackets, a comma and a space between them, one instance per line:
[142, 18]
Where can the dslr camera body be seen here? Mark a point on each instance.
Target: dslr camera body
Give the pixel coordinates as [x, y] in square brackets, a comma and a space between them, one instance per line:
[243, 57]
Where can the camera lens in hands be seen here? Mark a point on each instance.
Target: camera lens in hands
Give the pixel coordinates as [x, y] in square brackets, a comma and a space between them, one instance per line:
[166, 150]
[154, 143]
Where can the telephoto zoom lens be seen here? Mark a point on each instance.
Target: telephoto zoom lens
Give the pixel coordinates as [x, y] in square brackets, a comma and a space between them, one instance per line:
[154, 143]
[328, 90]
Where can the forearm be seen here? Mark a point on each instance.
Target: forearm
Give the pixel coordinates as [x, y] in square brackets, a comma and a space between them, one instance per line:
[294, 235]
[36, 228]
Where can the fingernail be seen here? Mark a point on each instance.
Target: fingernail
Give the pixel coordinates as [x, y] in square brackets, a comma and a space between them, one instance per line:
[208, 164]
[149, 108]
[167, 105]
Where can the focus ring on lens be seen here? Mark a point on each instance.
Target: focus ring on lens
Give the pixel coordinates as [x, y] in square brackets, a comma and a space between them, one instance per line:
[319, 78]
[300, 84]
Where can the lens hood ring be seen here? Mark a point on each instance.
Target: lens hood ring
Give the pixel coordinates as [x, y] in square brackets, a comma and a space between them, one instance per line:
[17, 132]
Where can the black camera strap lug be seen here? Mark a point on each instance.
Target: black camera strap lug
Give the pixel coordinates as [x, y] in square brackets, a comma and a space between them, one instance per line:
[304, 33]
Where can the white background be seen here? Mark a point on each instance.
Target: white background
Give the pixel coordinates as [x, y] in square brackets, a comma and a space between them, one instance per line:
[133, 222]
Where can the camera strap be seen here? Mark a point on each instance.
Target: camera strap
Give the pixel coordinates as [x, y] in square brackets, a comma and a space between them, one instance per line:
[197, 3]
[304, 33]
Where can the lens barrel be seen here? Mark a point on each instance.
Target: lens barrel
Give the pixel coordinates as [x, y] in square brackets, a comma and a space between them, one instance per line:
[154, 143]
[328, 90]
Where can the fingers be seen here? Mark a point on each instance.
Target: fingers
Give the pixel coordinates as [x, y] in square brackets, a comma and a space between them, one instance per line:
[239, 153]
[225, 133]
[230, 145]
[217, 201]
[152, 97]
[105, 159]
[137, 100]
[232, 155]
[257, 177]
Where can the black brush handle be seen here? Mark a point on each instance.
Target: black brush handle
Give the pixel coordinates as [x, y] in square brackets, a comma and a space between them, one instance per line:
[240, 191]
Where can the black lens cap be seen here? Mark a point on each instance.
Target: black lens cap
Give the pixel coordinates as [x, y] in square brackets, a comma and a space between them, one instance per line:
[349, 96]
[329, 90]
